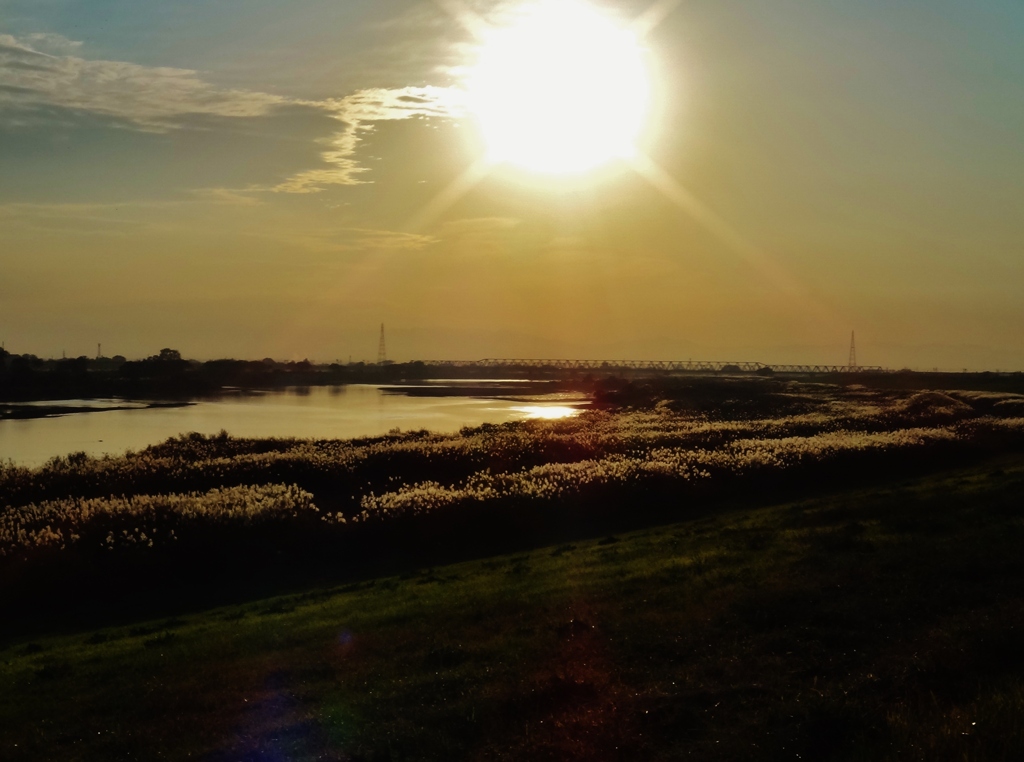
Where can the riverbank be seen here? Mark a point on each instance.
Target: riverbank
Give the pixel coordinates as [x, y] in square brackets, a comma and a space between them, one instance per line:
[299, 412]
[21, 411]
[873, 623]
[198, 517]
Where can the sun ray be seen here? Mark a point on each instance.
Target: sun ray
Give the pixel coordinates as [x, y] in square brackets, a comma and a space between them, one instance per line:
[671, 189]
[753, 255]
[449, 195]
[540, 26]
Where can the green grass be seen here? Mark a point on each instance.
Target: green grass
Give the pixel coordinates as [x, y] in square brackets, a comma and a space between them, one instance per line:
[875, 624]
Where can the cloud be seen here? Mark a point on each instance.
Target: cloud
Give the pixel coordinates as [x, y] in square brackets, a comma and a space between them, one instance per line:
[358, 112]
[60, 217]
[52, 43]
[390, 240]
[476, 227]
[234, 211]
[226, 196]
[41, 79]
[54, 220]
[338, 240]
[479, 235]
[146, 97]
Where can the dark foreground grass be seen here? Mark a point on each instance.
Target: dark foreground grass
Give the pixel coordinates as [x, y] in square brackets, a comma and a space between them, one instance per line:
[878, 624]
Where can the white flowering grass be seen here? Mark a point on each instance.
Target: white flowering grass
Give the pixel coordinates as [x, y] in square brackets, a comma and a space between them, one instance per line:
[145, 520]
[193, 479]
[197, 463]
[563, 480]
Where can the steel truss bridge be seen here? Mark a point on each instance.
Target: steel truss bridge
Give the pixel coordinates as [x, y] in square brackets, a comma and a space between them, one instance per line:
[685, 366]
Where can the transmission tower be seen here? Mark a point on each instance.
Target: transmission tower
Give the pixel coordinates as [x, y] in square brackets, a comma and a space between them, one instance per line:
[853, 351]
[382, 352]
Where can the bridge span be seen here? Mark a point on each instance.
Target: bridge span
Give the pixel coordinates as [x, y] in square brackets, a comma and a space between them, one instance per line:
[683, 366]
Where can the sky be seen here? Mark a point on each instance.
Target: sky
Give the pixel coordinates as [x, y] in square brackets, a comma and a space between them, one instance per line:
[247, 178]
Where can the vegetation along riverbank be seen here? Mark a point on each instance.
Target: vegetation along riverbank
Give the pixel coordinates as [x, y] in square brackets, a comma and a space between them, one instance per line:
[879, 623]
[739, 569]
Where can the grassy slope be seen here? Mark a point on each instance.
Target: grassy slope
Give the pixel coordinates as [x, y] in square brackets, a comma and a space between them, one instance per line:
[877, 624]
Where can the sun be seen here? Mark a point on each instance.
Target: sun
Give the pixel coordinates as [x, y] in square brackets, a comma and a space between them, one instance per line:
[562, 89]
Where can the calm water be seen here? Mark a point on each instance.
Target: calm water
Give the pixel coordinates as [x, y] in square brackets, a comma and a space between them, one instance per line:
[319, 412]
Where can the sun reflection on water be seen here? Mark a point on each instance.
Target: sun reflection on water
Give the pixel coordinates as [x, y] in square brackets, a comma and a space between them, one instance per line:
[547, 412]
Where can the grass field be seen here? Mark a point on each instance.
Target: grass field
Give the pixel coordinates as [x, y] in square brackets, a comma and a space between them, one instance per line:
[882, 623]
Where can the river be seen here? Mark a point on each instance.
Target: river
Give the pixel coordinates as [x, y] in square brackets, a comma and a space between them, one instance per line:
[313, 412]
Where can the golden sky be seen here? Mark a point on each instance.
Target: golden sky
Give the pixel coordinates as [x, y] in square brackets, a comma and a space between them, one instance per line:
[258, 178]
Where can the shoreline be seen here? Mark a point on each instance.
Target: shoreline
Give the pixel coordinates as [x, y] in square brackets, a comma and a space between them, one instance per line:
[25, 411]
[525, 391]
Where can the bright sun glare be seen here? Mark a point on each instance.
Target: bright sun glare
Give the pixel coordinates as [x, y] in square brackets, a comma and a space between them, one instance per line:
[561, 90]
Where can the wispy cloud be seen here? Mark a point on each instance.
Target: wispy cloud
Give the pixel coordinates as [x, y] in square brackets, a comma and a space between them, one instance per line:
[479, 236]
[52, 43]
[147, 97]
[235, 211]
[226, 196]
[477, 228]
[357, 112]
[43, 72]
[390, 240]
[55, 220]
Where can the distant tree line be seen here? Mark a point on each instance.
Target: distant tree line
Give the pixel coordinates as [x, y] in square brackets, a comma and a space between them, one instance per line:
[167, 374]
